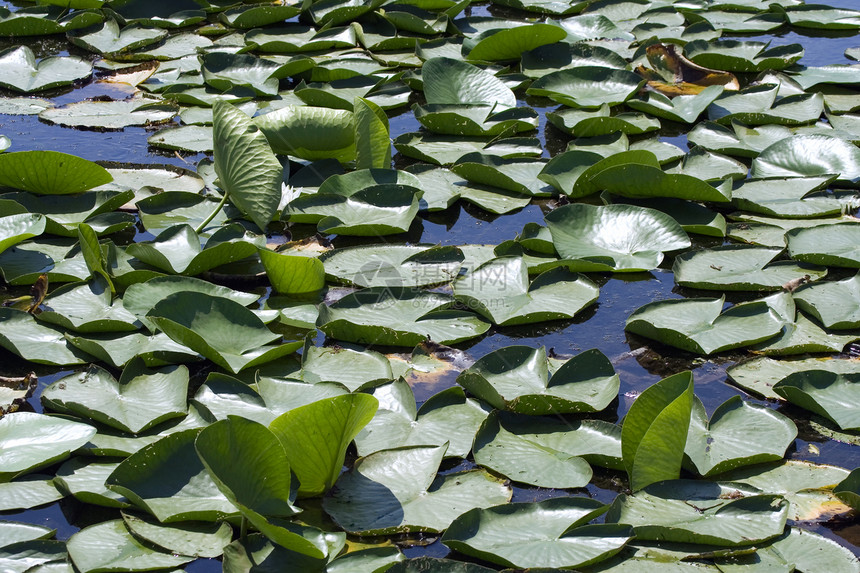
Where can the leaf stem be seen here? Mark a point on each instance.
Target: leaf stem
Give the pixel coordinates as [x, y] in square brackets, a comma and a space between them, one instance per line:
[211, 216]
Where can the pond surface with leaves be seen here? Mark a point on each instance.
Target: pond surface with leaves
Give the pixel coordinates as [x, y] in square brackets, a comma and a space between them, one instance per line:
[543, 284]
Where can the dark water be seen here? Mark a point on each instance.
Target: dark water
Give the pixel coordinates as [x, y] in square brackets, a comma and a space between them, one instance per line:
[601, 326]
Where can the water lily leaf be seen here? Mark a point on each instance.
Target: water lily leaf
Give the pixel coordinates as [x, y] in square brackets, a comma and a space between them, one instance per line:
[111, 114]
[85, 480]
[639, 180]
[710, 513]
[799, 549]
[655, 429]
[619, 238]
[220, 329]
[247, 168]
[317, 435]
[65, 212]
[587, 86]
[167, 479]
[394, 265]
[198, 539]
[178, 250]
[547, 533]
[517, 174]
[809, 156]
[452, 81]
[822, 17]
[21, 334]
[848, 490]
[17, 228]
[140, 298]
[108, 39]
[834, 245]
[28, 492]
[109, 546]
[21, 73]
[141, 399]
[257, 16]
[355, 369]
[384, 209]
[292, 274]
[740, 267]
[828, 302]
[447, 417]
[760, 374]
[50, 172]
[698, 326]
[517, 378]
[398, 490]
[224, 70]
[739, 140]
[809, 487]
[586, 123]
[159, 14]
[445, 150]
[87, 307]
[545, 451]
[310, 132]
[334, 12]
[562, 55]
[435, 565]
[193, 138]
[44, 20]
[793, 197]
[829, 394]
[13, 532]
[161, 211]
[500, 291]
[372, 140]
[509, 43]
[742, 56]
[443, 187]
[565, 169]
[738, 434]
[31, 441]
[292, 38]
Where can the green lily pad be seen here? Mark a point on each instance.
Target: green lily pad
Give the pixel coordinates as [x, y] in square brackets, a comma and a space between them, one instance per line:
[740, 267]
[832, 395]
[620, 238]
[700, 512]
[17, 228]
[563, 55]
[739, 140]
[547, 533]
[28, 492]
[110, 546]
[848, 490]
[255, 16]
[809, 156]
[445, 149]
[699, 326]
[291, 38]
[178, 250]
[517, 174]
[12, 532]
[742, 56]
[517, 378]
[220, 329]
[21, 334]
[141, 399]
[31, 441]
[21, 73]
[87, 307]
[108, 39]
[797, 548]
[682, 108]
[587, 123]
[394, 265]
[738, 434]
[50, 172]
[355, 369]
[310, 132]
[507, 44]
[822, 17]
[85, 479]
[167, 479]
[447, 417]
[375, 499]
[500, 291]
[474, 120]
[44, 20]
[829, 302]
[111, 114]
[760, 374]
[193, 138]
[451, 81]
[833, 245]
[587, 86]
[195, 539]
[796, 197]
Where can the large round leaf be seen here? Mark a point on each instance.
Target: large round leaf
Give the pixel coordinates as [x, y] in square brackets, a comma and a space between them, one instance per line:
[140, 399]
[739, 433]
[509, 44]
[199, 539]
[450, 81]
[22, 334]
[614, 237]
[20, 227]
[834, 396]
[394, 265]
[540, 534]
[20, 72]
[109, 546]
[809, 156]
[50, 172]
[835, 245]
[829, 302]
[398, 490]
[517, 378]
[587, 86]
[111, 114]
[29, 441]
[310, 132]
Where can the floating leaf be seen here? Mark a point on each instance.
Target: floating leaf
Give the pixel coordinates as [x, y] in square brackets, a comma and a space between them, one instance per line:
[450, 81]
[399, 491]
[760, 374]
[22, 334]
[809, 156]
[110, 546]
[833, 245]
[827, 302]
[587, 86]
[50, 172]
[834, 396]
[21, 73]
[189, 538]
[742, 56]
[310, 132]
[31, 441]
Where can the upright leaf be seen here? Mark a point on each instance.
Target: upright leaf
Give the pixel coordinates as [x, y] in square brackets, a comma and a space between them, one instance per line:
[372, 141]
[247, 168]
[655, 431]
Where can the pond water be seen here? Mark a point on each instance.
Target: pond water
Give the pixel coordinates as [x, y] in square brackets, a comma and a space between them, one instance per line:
[602, 326]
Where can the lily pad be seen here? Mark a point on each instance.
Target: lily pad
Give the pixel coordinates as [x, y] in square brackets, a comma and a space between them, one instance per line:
[375, 499]
[109, 39]
[830, 302]
[450, 81]
[809, 156]
[587, 86]
[111, 114]
[620, 238]
[310, 132]
[833, 245]
[31, 441]
[50, 172]
[21, 72]
[109, 545]
[682, 108]
[517, 378]
[85, 479]
[742, 56]
[190, 538]
[21, 334]
[547, 533]
[760, 374]
[832, 395]
[394, 265]
[139, 400]
[740, 267]
[699, 326]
